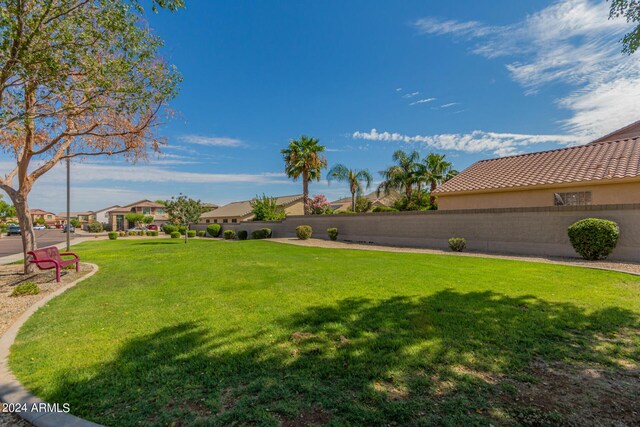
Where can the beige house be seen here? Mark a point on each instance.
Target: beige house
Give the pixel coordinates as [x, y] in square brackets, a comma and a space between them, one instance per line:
[241, 211]
[117, 216]
[603, 172]
[343, 205]
[83, 217]
[51, 220]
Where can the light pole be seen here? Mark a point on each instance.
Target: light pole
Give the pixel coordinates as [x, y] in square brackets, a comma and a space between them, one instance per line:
[68, 230]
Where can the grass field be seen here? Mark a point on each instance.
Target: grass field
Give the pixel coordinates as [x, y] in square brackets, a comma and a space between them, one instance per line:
[257, 332]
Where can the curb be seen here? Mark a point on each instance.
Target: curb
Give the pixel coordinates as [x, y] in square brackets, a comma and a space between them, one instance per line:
[13, 392]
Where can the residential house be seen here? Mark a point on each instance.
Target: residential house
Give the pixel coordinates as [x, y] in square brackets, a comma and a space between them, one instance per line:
[344, 204]
[241, 211]
[117, 216]
[603, 172]
[83, 217]
[51, 220]
[102, 215]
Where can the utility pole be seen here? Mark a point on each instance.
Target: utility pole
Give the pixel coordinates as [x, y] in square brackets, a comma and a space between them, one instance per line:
[68, 230]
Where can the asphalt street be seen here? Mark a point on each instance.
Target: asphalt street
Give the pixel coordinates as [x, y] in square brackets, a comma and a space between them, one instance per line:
[10, 245]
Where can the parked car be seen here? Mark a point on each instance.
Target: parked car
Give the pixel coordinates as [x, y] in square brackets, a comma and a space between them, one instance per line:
[72, 229]
[152, 227]
[13, 229]
[39, 227]
[136, 229]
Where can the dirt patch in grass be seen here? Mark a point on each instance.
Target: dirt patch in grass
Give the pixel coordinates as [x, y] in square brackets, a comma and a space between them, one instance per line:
[581, 395]
[310, 417]
[12, 275]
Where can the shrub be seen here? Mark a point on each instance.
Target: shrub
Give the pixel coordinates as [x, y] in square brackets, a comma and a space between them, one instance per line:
[242, 234]
[457, 244]
[229, 234]
[261, 233]
[594, 238]
[384, 209]
[154, 232]
[201, 233]
[333, 233]
[191, 233]
[149, 233]
[175, 234]
[266, 232]
[213, 230]
[95, 227]
[304, 232]
[182, 229]
[27, 288]
[122, 234]
[168, 229]
[113, 235]
[140, 233]
[131, 233]
[266, 209]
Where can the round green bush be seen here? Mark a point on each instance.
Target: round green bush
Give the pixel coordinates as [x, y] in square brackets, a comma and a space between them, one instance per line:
[243, 234]
[229, 234]
[149, 233]
[154, 232]
[140, 233]
[213, 230]
[182, 229]
[304, 232]
[113, 235]
[261, 233]
[594, 238]
[175, 234]
[122, 234]
[266, 232]
[201, 233]
[191, 233]
[131, 233]
[457, 244]
[168, 229]
[333, 233]
[95, 227]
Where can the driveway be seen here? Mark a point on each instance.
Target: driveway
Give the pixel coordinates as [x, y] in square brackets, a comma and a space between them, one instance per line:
[10, 245]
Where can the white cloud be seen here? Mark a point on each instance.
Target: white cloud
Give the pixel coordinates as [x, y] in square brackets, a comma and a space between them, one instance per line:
[570, 42]
[500, 144]
[451, 104]
[212, 141]
[411, 95]
[423, 101]
[399, 89]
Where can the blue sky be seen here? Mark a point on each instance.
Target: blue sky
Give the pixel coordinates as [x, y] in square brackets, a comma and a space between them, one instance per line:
[470, 79]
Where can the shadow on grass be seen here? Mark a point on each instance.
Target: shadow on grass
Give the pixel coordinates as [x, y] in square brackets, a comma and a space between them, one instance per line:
[440, 359]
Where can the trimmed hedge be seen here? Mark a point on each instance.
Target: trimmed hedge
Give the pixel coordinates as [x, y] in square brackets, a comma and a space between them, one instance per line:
[201, 233]
[175, 234]
[95, 227]
[229, 234]
[132, 233]
[140, 233]
[457, 244]
[261, 233]
[113, 235]
[243, 234]
[333, 233]
[213, 230]
[304, 232]
[384, 209]
[154, 232]
[594, 238]
[149, 233]
[168, 229]
[191, 233]
[182, 229]
[122, 234]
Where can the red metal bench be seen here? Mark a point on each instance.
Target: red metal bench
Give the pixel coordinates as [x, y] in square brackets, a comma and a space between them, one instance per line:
[50, 257]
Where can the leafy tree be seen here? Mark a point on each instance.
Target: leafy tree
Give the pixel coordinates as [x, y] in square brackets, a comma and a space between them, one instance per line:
[184, 211]
[434, 171]
[134, 218]
[161, 202]
[320, 205]
[40, 220]
[354, 177]
[266, 209]
[6, 210]
[629, 9]
[77, 78]
[148, 219]
[402, 176]
[363, 204]
[303, 158]
[75, 222]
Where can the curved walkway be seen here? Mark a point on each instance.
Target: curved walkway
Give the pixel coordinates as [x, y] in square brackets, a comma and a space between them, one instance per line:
[14, 394]
[622, 267]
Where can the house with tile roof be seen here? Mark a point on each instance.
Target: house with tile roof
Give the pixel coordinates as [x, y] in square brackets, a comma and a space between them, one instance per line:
[241, 211]
[344, 204]
[603, 172]
[51, 220]
[118, 220]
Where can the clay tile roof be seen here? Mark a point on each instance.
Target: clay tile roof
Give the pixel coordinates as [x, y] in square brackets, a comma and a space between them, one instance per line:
[592, 162]
[243, 208]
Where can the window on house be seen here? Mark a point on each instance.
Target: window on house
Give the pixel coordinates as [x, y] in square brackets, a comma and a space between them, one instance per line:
[234, 220]
[215, 221]
[160, 211]
[225, 220]
[146, 211]
[207, 221]
[577, 198]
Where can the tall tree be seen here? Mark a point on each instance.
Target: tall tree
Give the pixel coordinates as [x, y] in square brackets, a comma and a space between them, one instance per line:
[77, 78]
[434, 171]
[303, 158]
[629, 9]
[184, 211]
[402, 176]
[353, 177]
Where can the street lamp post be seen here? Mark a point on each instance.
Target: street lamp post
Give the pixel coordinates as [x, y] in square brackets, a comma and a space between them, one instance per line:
[68, 230]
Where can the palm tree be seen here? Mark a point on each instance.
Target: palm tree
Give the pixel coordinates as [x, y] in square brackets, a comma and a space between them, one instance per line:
[402, 176]
[303, 158]
[352, 176]
[435, 171]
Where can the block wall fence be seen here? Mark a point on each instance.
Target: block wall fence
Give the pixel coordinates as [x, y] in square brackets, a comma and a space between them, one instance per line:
[522, 231]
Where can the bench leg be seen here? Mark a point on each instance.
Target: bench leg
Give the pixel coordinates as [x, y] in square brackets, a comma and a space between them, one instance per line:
[77, 266]
[58, 273]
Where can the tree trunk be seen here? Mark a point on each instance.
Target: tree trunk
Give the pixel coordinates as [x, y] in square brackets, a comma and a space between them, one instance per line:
[186, 234]
[26, 229]
[353, 201]
[305, 192]
[432, 198]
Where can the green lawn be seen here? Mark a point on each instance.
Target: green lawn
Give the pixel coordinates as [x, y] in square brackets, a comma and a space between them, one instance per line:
[257, 332]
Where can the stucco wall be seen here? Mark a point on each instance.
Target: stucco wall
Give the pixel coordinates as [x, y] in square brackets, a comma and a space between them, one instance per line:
[527, 231]
[601, 194]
